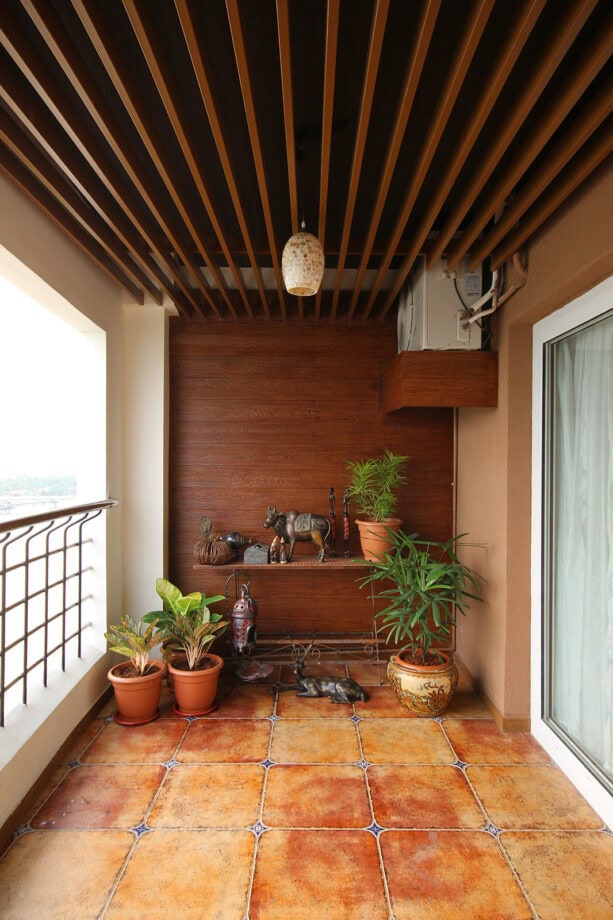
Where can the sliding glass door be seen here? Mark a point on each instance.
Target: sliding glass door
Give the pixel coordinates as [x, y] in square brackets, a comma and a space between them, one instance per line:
[573, 546]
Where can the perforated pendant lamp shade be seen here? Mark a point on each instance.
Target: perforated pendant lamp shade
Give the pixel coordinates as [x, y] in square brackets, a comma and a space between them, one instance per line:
[302, 264]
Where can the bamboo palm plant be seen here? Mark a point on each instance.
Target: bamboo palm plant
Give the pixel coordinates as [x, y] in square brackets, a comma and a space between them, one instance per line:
[428, 584]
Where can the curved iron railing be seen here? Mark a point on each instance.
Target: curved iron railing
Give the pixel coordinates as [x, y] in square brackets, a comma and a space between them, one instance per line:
[42, 570]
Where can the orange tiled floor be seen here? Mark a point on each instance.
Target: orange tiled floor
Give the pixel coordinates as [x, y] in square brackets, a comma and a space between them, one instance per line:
[284, 808]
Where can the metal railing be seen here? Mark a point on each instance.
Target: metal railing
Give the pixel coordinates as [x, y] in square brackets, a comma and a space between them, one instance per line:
[42, 570]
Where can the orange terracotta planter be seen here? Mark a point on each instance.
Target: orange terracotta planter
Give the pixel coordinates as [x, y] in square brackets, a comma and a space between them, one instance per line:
[425, 690]
[196, 691]
[375, 538]
[137, 698]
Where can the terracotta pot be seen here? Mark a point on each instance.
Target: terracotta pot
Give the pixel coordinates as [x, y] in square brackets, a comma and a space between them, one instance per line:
[375, 538]
[137, 698]
[425, 690]
[195, 691]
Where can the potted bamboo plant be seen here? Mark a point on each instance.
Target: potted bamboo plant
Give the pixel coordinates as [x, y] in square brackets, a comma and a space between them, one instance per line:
[427, 585]
[373, 486]
[188, 628]
[137, 683]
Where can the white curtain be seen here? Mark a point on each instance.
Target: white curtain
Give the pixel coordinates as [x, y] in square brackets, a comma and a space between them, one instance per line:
[581, 492]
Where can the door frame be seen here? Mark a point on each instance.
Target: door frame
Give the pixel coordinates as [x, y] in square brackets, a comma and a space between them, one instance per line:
[579, 311]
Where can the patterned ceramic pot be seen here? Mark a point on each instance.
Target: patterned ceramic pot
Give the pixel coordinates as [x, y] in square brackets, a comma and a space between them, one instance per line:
[425, 690]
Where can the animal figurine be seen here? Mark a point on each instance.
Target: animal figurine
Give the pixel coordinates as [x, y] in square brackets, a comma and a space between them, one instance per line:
[337, 689]
[291, 526]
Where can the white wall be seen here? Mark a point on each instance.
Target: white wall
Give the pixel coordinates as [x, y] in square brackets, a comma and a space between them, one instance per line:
[135, 367]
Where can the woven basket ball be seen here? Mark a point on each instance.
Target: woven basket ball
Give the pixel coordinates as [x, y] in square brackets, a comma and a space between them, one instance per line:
[212, 552]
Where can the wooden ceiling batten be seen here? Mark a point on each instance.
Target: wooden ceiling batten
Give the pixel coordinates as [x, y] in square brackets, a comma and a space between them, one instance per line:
[67, 161]
[204, 86]
[242, 65]
[585, 163]
[66, 196]
[332, 21]
[69, 118]
[117, 70]
[375, 47]
[591, 64]
[288, 107]
[47, 203]
[448, 98]
[405, 106]
[574, 139]
[525, 22]
[161, 81]
[562, 41]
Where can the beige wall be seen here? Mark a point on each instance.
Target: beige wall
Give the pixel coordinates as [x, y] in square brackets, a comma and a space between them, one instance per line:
[572, 253]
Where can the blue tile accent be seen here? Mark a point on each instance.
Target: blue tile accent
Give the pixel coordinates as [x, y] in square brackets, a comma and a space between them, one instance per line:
[171, 763]
[460, 764]
[258, 828]
[21, 830]
[267, 763]
[73, 763]
[492, 830]
[375, 829]
[141, 829]
[356, 719]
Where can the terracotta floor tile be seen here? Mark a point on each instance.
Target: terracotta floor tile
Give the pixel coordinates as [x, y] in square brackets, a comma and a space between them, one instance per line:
[382, 704]
[316, 796]
[567, 875]
[45, 875]
[290, 706]
[318, 875]
[422, 797]
[155, 742]
[244, 701]
[225, 741]
[404, 741]
[192, 874]
[531, 798]
[82, 742]
[478, 741]
[209, 795]
[450, 875]
[369, 674]
[115, 796]
[315, 741]
[465, 704]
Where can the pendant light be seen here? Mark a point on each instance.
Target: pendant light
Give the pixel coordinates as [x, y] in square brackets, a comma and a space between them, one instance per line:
[302, 263]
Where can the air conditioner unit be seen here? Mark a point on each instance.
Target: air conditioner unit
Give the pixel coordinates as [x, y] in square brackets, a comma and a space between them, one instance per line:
[430, 311]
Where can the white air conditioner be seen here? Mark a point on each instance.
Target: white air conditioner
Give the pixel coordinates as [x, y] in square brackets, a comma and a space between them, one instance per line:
[430, 310]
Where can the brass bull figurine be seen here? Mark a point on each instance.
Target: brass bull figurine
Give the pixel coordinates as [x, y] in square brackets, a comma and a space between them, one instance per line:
[291, 526]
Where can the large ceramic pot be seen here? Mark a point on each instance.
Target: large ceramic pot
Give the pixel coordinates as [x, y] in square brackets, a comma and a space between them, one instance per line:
[195, 691]
[425, 690]
[375, 538]
[137, 698]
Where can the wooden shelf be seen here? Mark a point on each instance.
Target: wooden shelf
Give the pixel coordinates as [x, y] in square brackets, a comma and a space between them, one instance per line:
[441, 378]
[298, 563]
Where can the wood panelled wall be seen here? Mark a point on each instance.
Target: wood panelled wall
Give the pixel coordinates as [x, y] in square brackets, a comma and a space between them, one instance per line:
[269, 413]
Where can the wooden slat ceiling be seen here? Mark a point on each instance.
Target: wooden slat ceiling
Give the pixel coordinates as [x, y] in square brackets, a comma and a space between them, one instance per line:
[181, 142]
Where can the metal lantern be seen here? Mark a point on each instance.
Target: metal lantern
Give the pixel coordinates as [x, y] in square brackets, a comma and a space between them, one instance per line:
[244, 633]
[302, 264]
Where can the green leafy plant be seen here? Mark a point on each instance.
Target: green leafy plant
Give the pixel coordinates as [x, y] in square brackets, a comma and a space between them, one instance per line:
[428, 585]
[127, 639]
[186, 622]
[374, 483]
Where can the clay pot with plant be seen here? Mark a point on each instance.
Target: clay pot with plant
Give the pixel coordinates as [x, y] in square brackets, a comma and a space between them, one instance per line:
[137, 683]
[427, 585]
[189, 628]
[373, 488]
